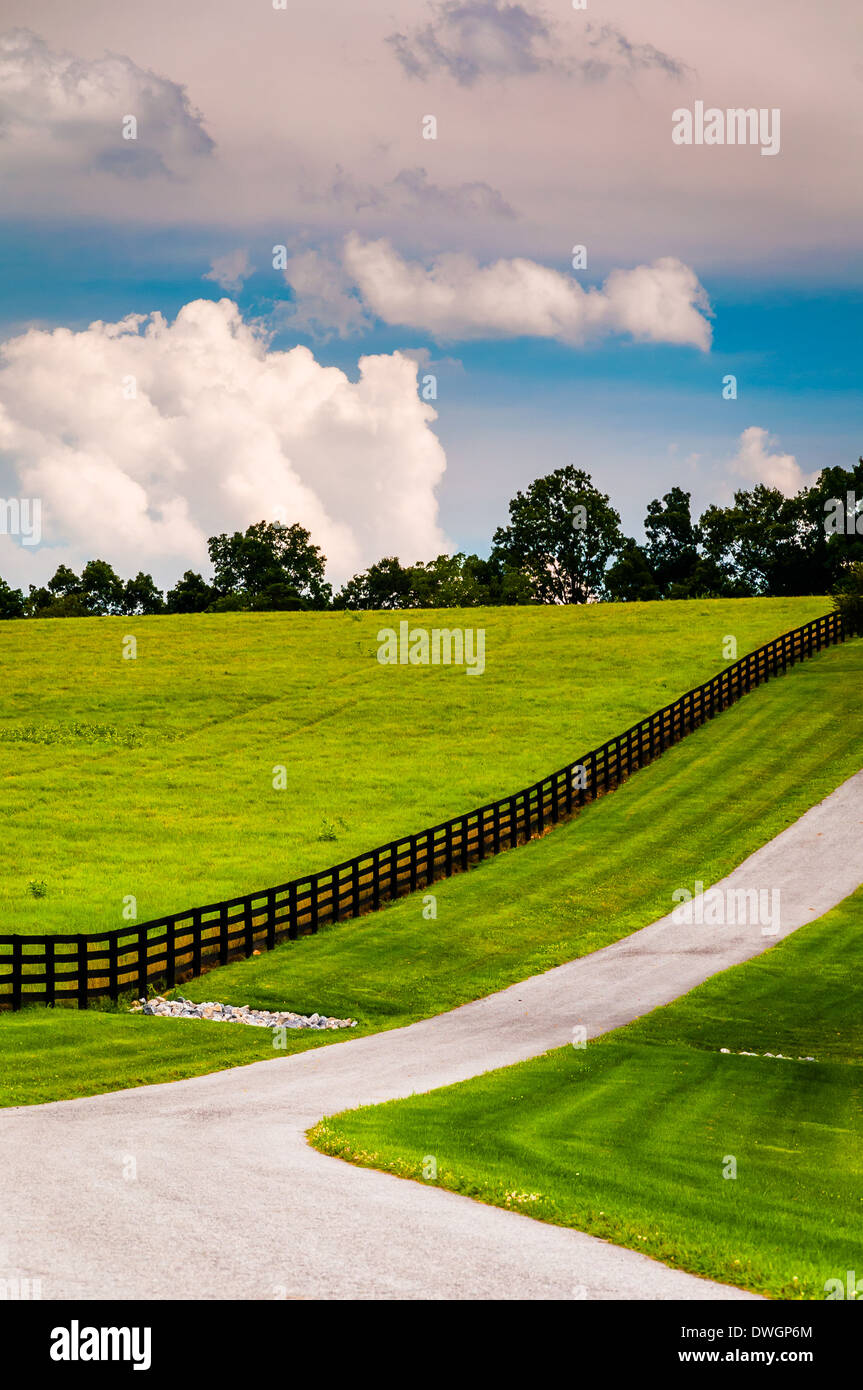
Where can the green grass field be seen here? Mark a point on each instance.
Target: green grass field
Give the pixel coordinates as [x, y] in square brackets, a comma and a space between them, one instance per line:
[629, 1139]
[695, 813]
[153, 777]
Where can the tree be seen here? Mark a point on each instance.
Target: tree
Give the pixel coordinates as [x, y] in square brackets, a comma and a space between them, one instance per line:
[101, 588]
[562, 533]
[191, 594]
[140, 595]
[501, 583]
[270, 553]
[449, 581]
[758, 544]
[64, 582]
[830, 550]
[11, 602]
[848, 597]
[383, 585]
[631, 578]
[278, 597]
[40, 604]
[62, 597]
[672, 542]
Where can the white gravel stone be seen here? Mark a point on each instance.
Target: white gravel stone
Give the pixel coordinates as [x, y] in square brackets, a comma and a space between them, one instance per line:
[215, 1012]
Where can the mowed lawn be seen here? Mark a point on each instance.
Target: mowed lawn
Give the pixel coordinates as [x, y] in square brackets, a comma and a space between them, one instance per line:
[636, 1137]
[694, 814]
[152, 778]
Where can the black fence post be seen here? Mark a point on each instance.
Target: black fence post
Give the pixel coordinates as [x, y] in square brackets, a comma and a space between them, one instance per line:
[170, 953]
[271, 919]
[17, 972]
[293, 915]
[248, 941]
[113, 966]
[142, 962]
[197, 931]
[50, 976]
[83, 978]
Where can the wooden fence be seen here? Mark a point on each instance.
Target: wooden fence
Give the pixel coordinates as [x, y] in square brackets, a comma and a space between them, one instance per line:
[51, 969]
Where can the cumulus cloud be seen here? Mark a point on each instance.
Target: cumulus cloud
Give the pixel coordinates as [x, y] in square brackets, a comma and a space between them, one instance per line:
[473, 39]
[457, 298]
[221, 431]
[231, 271]
[756, 464]
[57, 109]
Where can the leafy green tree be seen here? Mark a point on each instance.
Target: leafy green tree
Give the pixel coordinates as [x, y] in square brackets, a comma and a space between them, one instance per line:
[191, 594]
[140, 595]
[562, 534]
[101, 588]
[672, 542]
[270, 553]
[386, 584]
[830, 550]
[40, 604]
[448, 581]
[277, 597]
[63, 583]
[501, 583]
[11, 602]
[631, 577]
[848, 597]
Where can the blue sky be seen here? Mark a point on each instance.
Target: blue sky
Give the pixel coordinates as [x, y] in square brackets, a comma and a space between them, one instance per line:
[551, 134]
[632, 414]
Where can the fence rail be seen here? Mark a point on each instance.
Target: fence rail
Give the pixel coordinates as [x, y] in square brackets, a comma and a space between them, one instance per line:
[52, 969]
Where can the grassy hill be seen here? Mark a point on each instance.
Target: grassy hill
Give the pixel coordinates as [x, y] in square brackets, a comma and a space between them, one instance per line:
[695, 813]
[153, 777]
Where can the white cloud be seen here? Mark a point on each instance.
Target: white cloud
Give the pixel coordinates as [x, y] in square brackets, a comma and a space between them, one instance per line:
[230, 271]
[458, 298]
[324, 299]
[756, 464]
[222, 432]
[60, 110]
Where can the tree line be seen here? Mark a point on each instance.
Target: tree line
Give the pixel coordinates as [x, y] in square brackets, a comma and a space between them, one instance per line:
[563, 544]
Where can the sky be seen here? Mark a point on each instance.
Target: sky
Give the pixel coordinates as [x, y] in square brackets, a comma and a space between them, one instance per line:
[319, 263]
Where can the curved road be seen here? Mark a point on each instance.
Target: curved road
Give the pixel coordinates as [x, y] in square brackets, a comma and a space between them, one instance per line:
[229, 1201]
